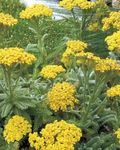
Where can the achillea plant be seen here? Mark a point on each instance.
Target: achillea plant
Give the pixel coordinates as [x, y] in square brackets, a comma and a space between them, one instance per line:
[67, 96]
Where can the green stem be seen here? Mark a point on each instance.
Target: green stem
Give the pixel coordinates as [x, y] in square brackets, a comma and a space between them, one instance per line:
[83, 21]
[97, 89]
[85, 79]
[8, 83]
[117, 107]
[77, 24]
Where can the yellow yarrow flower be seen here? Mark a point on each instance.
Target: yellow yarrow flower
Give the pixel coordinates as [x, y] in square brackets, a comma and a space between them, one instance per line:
[61, 96]
[86, 58]
[16, 128]
[51, 71]
[114, 91]
[7, 20]
[73, 48]
[117, 133]
[13, 55]
[93, 27]
[36, 141]
[76, 45]
[105, 65]
[113, 20]
[58, 135]
[67, 4]
[113, 41]
[36, 10]
[82, 4]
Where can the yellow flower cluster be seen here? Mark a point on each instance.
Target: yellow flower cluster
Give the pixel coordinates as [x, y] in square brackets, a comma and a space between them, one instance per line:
[16, 128]
[113, 41]
[67, 4]
[105, 65]
[36, 141]
[13, 55]
[83, 4]
[113, 20]
[93, 27]
[117, 133]
[7, 20]
[36, 10]
[114, 91]
[58, 135]
[73, 48]
[76, 45]
[87, 58]
[51, 71]
[61, 96]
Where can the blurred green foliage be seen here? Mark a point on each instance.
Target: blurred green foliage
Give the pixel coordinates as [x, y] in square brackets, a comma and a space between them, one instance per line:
[19, 35]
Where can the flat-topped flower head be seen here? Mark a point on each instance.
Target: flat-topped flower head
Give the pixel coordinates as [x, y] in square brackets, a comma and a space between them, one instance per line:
[51, 71]
[82, 4]
[14, 55]
[7, 20]
[114, 91]
[85, 4]
[56, 136]
[73, 48]
[113, 20]
[87, 58]
[76, 45]
[36, 10]
[113, 42]
[105, 65]
[93, 27]
[67, 4]
[16, 128]
[117, 133]
[61, 97]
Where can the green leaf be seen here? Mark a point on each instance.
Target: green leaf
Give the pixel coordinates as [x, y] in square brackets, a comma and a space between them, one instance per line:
[6, 109]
